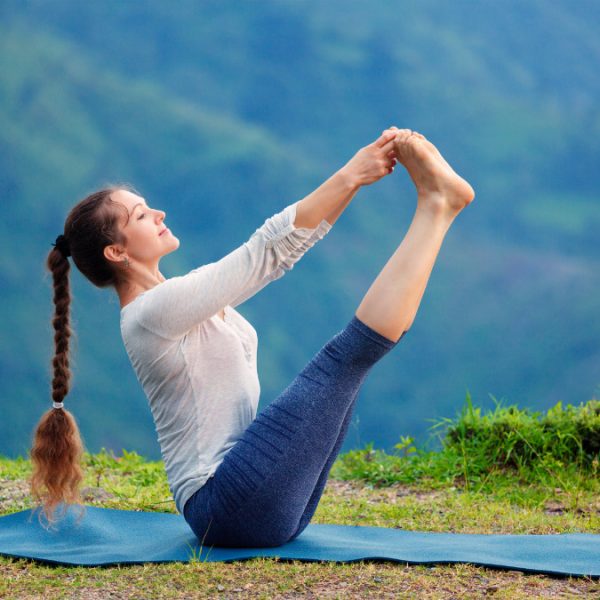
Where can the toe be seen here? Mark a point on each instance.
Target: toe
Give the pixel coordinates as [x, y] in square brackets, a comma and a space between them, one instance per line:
[402, 135]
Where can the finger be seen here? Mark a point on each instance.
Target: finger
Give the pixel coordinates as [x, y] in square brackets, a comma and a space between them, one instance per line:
[388, 146]
[385, 137]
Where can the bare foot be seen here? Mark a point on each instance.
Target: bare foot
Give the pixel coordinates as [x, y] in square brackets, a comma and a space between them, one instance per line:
[439, 188]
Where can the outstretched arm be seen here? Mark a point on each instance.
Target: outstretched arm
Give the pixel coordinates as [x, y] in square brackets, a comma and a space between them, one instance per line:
[171, 308]
[331, 198]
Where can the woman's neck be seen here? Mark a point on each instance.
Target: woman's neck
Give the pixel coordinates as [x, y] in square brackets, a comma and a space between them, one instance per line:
[137, 283]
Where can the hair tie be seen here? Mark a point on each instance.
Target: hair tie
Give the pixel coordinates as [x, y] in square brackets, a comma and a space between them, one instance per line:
[58, 404]
[62, 245]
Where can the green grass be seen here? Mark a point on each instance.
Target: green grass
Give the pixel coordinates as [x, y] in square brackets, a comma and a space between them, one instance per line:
[488, 453]
[484, 480]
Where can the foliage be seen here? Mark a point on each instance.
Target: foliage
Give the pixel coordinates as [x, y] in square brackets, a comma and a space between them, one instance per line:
[514, 437]
[486, 451]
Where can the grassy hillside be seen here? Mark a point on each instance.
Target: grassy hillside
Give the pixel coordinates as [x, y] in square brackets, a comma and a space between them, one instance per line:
[485, 480]
[222, 114]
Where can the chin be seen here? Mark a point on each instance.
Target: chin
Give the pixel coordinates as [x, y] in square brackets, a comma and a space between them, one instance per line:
[174, 244]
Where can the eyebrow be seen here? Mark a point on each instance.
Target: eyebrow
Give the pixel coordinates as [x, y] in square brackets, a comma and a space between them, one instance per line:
[135, 206]
[129, 214]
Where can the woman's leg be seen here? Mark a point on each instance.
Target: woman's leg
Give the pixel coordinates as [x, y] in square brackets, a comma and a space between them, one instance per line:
[391, 303]
[268, 486]
[313, 501]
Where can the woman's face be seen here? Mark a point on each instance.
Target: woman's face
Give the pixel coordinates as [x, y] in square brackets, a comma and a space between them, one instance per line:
[148, 238]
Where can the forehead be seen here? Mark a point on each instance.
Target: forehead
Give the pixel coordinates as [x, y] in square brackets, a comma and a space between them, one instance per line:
[127, 199]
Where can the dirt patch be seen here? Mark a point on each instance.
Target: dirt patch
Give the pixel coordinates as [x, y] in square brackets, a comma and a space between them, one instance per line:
[14, 493]
[390, 494]
[554, 507]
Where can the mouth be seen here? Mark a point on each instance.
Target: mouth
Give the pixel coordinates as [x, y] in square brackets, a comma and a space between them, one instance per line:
[163, 231]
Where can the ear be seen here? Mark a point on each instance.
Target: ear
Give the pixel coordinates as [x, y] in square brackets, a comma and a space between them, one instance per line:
[114, 253]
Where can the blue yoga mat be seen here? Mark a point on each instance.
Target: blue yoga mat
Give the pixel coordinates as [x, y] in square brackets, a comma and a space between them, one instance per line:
[104, 536]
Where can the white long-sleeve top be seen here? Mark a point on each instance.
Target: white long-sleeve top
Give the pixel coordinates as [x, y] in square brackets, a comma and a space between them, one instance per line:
[197, 370]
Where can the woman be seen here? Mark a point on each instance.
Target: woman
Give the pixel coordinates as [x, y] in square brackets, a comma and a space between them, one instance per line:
[239, 479]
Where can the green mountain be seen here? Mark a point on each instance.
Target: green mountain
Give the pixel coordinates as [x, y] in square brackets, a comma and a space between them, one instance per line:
[222, 113]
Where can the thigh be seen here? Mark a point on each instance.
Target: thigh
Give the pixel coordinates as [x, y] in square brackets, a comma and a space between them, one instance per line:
[261, 488]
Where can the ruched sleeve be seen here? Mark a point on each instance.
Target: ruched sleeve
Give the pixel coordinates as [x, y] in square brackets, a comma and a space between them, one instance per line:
[174, 306]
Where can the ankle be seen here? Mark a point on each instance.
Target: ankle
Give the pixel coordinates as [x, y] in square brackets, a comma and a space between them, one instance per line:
[436, 212]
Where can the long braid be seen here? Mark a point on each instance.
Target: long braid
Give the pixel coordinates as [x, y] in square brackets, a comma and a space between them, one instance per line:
[91, 225]
[60, 268]
[57, 448]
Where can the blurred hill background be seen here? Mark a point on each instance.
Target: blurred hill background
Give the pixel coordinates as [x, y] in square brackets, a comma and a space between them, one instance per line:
[224, 112]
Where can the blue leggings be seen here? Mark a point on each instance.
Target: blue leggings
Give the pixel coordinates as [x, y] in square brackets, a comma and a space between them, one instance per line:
[267, 488]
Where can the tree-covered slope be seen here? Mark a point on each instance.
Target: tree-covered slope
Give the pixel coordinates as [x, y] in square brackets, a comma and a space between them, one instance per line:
[223, 113]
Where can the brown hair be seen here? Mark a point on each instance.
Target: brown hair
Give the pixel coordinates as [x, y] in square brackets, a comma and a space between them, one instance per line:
[57, 448]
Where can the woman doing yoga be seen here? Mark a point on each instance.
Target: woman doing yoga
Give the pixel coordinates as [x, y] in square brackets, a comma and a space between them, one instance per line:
[239, 479]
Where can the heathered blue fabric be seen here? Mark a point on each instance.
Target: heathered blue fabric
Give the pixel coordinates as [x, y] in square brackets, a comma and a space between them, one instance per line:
[268, 486]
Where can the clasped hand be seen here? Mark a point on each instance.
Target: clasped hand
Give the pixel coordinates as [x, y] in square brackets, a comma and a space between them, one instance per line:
[374, 161]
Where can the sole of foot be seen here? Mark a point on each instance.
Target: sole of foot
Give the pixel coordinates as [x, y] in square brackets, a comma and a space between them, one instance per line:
[439, 187]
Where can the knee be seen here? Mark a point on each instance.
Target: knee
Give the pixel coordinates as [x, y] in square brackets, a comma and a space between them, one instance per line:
[402, 335]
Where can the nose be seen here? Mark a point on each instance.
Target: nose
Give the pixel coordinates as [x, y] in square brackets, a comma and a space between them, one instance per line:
[160, 215]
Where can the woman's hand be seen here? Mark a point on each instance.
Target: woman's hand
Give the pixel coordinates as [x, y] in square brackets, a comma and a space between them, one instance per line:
[374, 161]
[331, 198]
